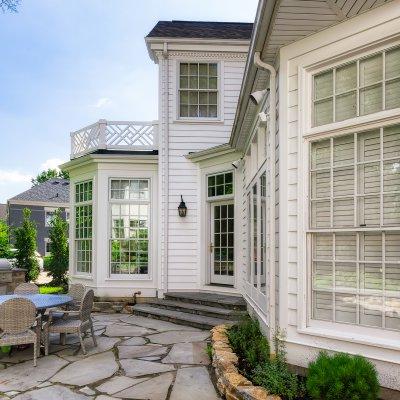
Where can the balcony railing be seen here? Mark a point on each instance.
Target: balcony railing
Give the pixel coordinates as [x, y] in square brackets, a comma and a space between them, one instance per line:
[114, 135]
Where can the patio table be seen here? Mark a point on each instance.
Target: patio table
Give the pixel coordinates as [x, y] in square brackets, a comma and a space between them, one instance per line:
[41, 301]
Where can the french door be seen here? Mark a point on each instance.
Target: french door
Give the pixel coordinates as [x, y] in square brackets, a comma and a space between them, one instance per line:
[222, 243]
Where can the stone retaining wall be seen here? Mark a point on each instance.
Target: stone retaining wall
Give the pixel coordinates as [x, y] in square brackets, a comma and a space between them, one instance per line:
[231, 384]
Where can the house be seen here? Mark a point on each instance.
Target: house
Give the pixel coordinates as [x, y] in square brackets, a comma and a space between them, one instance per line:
[3, 212]
[284, 146]
[42, 200]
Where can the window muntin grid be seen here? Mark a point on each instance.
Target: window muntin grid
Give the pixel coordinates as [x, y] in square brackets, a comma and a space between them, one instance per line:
[223, 239]
[198, 90]
[220, 184]
[362, 87]
[355, 228]
[83, 226]
[130, 226]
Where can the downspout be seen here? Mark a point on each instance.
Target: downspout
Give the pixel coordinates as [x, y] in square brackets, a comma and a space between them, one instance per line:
[165, 116]
[272, 128]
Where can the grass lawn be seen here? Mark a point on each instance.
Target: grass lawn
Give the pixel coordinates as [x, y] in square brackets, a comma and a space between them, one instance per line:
[50, 289]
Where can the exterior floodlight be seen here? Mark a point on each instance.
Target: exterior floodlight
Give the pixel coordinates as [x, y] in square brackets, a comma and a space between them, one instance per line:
[256, 97]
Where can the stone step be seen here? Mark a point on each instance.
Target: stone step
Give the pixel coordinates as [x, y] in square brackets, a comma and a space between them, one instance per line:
[193, 308]
[208, 299]
[179, 317]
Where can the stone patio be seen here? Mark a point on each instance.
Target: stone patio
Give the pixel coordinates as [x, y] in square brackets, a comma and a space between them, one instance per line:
[136, 358]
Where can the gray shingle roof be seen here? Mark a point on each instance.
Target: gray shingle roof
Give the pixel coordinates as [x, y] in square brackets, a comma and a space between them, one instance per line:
[54, 190]
[202, 30]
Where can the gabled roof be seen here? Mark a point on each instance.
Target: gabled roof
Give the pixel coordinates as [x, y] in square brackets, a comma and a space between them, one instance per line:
[54, 190]
[202, 30]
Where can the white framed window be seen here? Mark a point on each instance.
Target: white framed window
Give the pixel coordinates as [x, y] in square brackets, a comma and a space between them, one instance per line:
[354, 228]
[361, 87]
[220, 185]
[83, 212]
[48, 217]
[198, 90]
[130, 226]
[67, 216]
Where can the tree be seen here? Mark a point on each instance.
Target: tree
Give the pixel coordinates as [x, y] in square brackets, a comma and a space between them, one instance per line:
[9, 5]
[5, 249]
[59, 259]
[49, 174]
[25, 243]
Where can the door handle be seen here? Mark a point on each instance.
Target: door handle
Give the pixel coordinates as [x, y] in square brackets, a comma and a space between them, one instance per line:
[211, 247]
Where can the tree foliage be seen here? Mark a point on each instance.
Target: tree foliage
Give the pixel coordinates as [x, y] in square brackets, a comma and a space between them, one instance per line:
[9, 5]
[25, 243]
[5, 249]
[49, 174]
[58, 261]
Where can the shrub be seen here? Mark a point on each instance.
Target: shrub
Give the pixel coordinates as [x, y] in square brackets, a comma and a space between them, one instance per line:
[249, 344]
[342, 376]
[25, 243]
[5, 249]
[51, 289]
[46, 262]
[58, 263]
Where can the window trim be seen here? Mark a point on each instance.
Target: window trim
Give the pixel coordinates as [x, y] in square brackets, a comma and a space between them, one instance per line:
[361, 334]
[220, 95]
[226, 196]
[92, 202]
[305, 89]
[46, 242]
[149, 202]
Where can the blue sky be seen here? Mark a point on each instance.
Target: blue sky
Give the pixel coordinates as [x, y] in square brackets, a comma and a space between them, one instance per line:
[67, 63]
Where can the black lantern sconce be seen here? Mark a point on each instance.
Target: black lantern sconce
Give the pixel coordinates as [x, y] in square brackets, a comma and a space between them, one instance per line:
[182, 209]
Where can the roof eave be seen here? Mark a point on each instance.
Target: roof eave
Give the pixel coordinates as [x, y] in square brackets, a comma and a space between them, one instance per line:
[262, 24]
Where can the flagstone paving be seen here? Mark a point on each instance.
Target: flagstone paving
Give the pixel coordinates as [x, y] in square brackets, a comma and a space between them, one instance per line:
[136, 358]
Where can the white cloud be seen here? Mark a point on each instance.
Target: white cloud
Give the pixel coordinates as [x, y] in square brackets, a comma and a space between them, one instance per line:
[51, 163]
[102, 102]
[9, 177]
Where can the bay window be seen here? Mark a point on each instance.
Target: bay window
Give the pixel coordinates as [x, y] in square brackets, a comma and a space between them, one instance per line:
[354, 228]
[361, 87]
[130, 226]
[83, 226]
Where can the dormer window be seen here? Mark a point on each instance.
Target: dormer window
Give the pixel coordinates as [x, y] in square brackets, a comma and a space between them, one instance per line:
[198, 90]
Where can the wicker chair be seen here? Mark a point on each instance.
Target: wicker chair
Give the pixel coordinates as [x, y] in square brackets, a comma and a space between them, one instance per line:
[17, 317]
[26, 288]
[77, 292]
[68, 324]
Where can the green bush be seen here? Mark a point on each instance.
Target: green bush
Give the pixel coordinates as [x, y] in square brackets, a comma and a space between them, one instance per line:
[25, 243]
[59, 259]
[51, 289]
[46, 262]
[5, 249]
[249, 344]
[342, 376]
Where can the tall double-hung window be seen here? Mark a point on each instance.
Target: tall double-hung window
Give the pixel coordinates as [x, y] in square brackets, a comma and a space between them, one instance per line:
[198, 90]
[365, 86]
[129, 226]
[355, 228]
[83, 226]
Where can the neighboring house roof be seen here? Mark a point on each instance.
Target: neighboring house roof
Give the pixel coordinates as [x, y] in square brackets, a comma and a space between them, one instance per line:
[3, 211]
[54, 190]
[202, 30]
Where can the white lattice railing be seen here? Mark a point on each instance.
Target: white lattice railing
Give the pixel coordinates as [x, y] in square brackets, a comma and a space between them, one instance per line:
[114, 135]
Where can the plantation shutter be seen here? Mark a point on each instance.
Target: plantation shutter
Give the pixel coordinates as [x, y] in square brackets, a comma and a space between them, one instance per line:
[392, 72]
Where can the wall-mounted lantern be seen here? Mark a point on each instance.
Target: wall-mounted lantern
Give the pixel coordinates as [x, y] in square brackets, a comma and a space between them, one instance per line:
[182, 209]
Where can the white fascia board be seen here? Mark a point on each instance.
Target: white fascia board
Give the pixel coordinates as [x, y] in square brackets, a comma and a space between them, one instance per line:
[202, 45]
[262, 26]
[210, 153]
[46, 204]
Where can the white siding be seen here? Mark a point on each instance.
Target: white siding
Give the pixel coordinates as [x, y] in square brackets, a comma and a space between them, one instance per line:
[373, 26]
[183, 175]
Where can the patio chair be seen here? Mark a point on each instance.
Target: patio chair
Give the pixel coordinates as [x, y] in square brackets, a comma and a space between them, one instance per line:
[77, 292]
[78, 322]
[17, 319]
[26, 288]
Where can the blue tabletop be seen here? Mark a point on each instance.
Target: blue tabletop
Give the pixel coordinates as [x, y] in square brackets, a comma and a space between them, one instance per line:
[41, 301]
